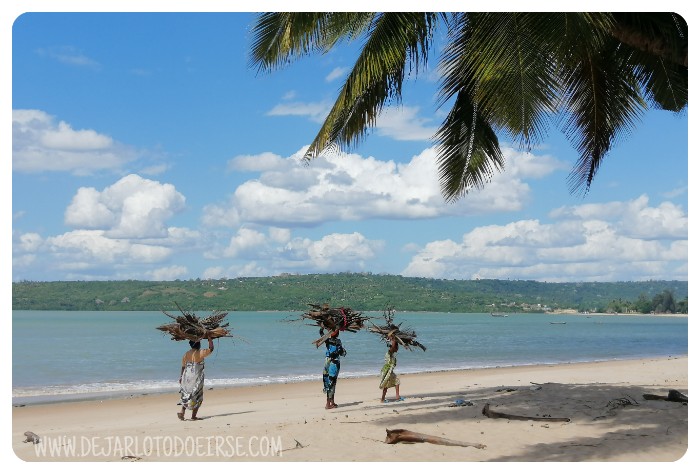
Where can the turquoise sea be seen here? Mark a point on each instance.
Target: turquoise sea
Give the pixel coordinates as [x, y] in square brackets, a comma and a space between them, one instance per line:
[59, 355]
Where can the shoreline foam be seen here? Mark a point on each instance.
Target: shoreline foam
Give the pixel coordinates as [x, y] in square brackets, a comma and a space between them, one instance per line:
[61, 394]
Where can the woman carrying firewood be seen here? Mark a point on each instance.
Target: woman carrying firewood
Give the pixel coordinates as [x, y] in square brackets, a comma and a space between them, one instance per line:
[388, 377]
[331, 369]
[192, 378]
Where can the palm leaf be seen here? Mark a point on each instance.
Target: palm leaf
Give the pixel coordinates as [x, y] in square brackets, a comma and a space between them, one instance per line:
[280, 38]
[395, 42]
[513, 73]
[505, 72]
[468, 151]
[603, 102]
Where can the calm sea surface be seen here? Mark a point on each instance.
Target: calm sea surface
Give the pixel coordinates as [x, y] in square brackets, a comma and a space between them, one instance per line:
[65, 355]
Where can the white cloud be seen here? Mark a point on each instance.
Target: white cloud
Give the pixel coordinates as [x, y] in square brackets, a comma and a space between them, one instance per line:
[133, 207]
[262, 162]
[348, 187]
[399, 123]
[338, 251]
[214, 273]
[87, 210]
[68, 55]
[404, 123]
[41, 144]
[277, 251]
[155, 170]
[119, 232]
[94, 246]
[336, 73]
[94, 255]
[280, 235]
[221, 215]
[250, 269]
[65, 138]
[636, 218]
[673, 193]
[594, 242]
[30, 242]
[245, 241]
[316, 111]
[528, 165]
[170, 273]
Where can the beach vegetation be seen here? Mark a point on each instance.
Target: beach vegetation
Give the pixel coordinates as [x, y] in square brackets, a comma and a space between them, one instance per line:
[360, 291]
[661, 303]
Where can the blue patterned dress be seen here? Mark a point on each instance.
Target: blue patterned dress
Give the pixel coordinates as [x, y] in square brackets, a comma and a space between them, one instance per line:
[331, 369]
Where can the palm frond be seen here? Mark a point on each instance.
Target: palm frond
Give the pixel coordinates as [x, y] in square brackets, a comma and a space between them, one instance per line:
[514, 72]
[281, 37]
[504, 72]
[396, 42]
[468, 149]
[603, 102]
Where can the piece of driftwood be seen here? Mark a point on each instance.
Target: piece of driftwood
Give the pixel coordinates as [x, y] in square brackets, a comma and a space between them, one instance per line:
[487, 412]
[673, 396]
[406, 436]
[298, 445]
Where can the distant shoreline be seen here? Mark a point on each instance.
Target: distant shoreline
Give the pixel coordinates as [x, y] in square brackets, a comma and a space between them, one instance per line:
[358, 291]
[576, 313]
[570, 312]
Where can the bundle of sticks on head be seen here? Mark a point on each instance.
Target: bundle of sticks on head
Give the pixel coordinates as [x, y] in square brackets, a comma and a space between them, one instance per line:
[330, 320]
[406, 337]
[188, 326]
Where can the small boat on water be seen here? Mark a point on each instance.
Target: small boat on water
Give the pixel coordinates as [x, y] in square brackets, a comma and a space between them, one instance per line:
[557, 322]
[499, 315]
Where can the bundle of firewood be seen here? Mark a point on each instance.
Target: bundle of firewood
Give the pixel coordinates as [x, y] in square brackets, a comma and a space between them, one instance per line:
[188, 326]
[331, 319]
[406, 337]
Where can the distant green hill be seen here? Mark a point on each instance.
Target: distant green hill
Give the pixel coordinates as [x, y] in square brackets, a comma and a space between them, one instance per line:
[362, 292]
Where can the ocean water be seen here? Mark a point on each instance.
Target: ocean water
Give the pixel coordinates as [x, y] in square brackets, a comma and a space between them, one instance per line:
[58, 355]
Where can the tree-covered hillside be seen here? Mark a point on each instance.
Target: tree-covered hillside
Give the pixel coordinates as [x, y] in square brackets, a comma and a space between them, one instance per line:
[363, 292]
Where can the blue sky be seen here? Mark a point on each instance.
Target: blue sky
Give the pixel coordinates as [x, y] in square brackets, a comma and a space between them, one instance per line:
[144, 146]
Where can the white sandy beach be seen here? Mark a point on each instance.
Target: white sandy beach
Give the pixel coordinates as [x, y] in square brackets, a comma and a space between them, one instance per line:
[609, 419]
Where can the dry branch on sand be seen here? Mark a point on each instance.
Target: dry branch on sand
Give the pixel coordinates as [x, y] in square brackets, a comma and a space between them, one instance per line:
[405, 337]
[188, 326]
[406, 436]
[330, 320]
[489, 413]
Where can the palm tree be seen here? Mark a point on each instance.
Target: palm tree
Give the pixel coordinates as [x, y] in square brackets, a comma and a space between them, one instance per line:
[592, 74]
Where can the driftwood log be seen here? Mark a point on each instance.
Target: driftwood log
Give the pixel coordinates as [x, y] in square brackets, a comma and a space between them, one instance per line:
[406, 436]
[487, 412]
[673, 396]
